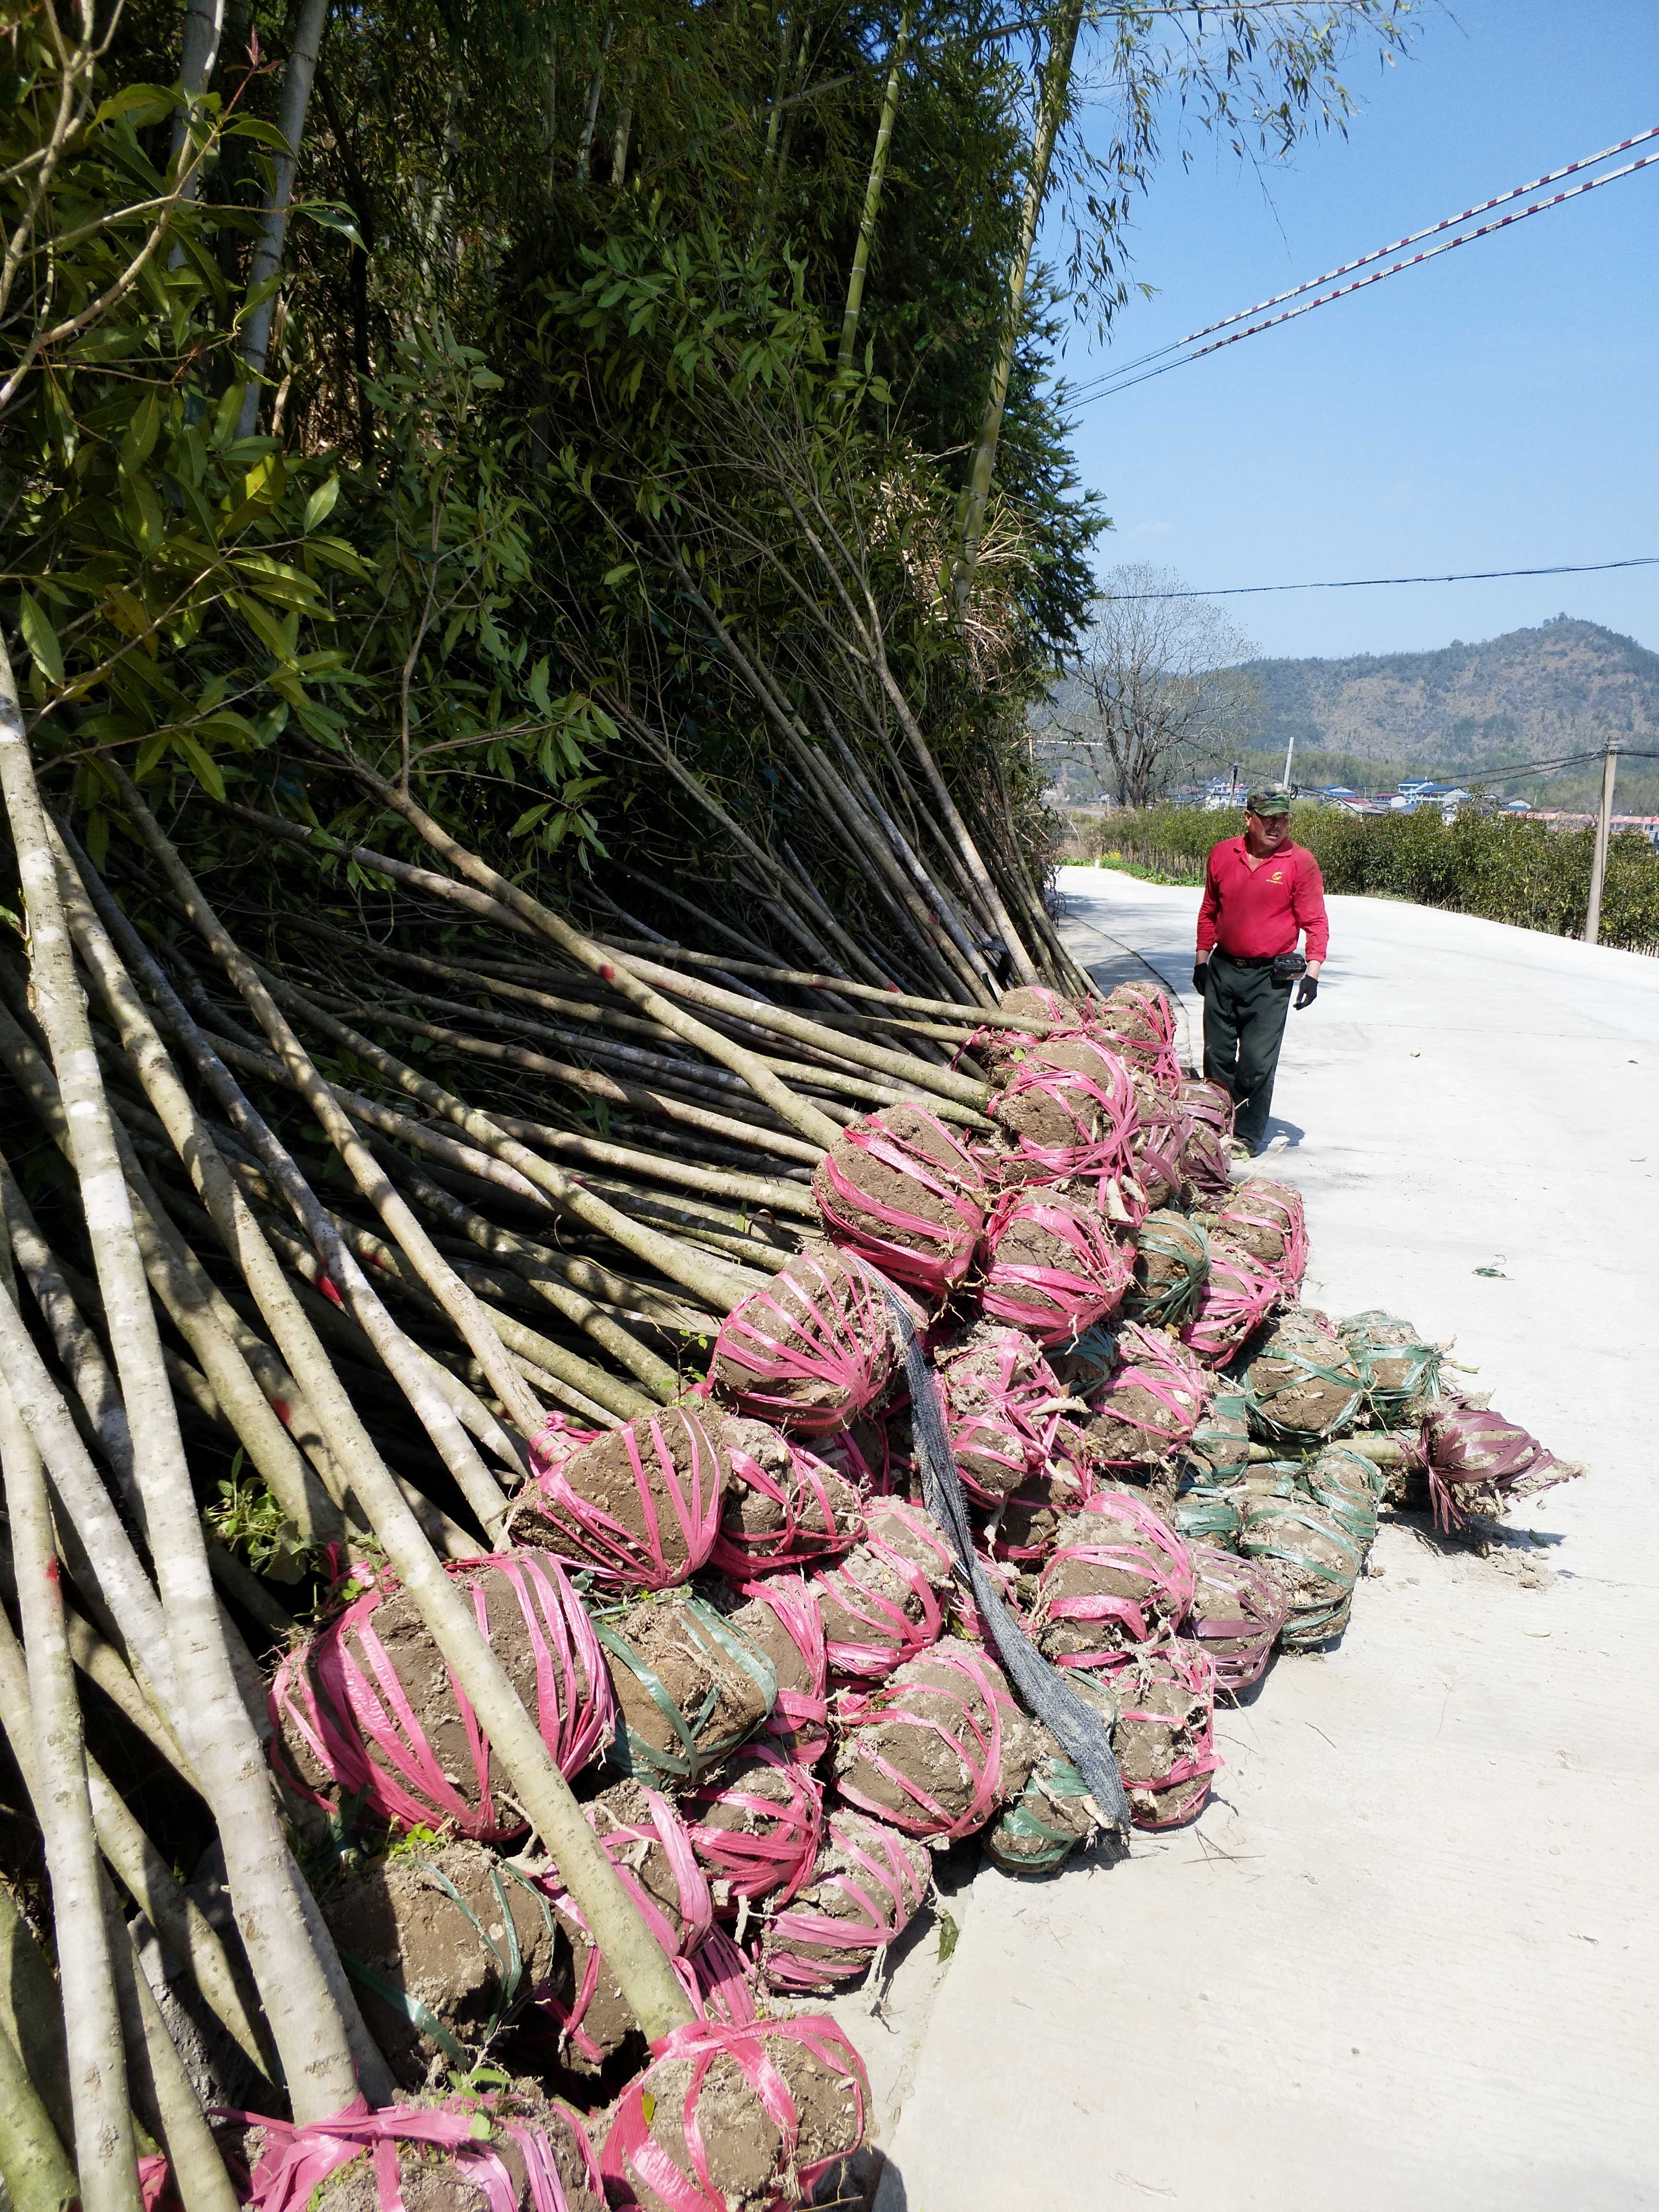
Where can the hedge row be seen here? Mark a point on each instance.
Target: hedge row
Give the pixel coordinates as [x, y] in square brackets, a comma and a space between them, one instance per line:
[1523, 873]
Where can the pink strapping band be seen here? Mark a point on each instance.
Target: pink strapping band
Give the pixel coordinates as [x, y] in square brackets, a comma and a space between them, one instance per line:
[1189, 1774]
[885, 1893]
[1104, 1119]
[940, 1258]
[801, 1717]
[632, 2159]
[1137, 1002]
[1239, 1292]
[295, 2161]
[1238, 1647]
[976, 1742]
[720, 1980]
[840, 1341]
[894, 1637]
[585, 1535]
[1159, 1560]
[810, 1530]
[1474, 1447]
[779, 1858]
[364, 1707]
[1151, 1364]
[1056, 1304]
[1260, 1208]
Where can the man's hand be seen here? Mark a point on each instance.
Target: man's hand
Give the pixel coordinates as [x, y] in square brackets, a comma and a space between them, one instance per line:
[1307, 992]
[1199, 968]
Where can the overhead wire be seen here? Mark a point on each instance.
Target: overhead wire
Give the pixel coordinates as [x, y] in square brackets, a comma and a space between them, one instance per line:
[1364, 583]
[1114, 381]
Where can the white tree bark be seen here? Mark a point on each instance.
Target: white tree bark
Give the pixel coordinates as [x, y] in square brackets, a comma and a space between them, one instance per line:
[298, 77]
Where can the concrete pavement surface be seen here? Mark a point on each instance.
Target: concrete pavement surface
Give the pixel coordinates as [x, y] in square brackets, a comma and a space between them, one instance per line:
[1409, 1957]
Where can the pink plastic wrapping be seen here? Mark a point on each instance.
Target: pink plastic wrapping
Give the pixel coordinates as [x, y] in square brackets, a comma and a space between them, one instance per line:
[816, 1524]
[881, 1881]
[1151, 1368]
[811, 1350]
[1238, 1295]
[365, 1734]
[946, 1713]
[911, 1548]
[678, 1507]
[1003, 1409]
[1141, 1551]
[633, 2159]
[1238, 1609]
[1471, 1449]
[1073, 1286]
[296, 2161]
[720, 1980]
[1275, 1213]
[1167, 1762]
[1139, 1022]
[799, 1720]
[773, 1854]
[1092, 1097]
[931, 1255]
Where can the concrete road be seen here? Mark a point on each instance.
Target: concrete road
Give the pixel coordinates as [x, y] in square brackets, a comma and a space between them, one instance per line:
[1409, 1958]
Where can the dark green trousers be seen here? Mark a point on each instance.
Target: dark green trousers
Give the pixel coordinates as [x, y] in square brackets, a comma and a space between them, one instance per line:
[1244, 1012]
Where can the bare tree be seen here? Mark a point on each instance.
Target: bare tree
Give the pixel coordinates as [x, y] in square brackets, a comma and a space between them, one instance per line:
[1157, 694]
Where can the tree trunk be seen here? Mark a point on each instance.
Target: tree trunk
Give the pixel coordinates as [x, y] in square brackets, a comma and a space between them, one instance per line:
[1051, 108]
[872, 190]
[267, 256]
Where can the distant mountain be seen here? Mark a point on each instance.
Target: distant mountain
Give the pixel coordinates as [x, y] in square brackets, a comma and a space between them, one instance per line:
[1567, 687]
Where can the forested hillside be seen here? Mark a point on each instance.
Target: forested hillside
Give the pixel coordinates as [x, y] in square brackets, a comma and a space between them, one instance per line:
[1566, 687]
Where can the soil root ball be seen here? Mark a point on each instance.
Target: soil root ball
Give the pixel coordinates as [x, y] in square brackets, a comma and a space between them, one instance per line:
[647, 1842]
[1268, 1219]
[1314, 1560]
[901, 1190]
[1163, 1128]
[1171, 1259]
[782, 1619]
[1138, 1020]
[368, 1709]
[939, 1748]
[737, 2119]
[1152, 1405]
[513, 2152]
[1067, 1110]
[1118, 1576]
[1238, 1609]
[1201, 1515]
[1036, 1002]
[1165, 1736]
[881, 1604]
[1302, 1384]
[1478, 1460]
[810, 1351]
[755, 1825]
[1003, 1409]
[638, 1507]
[1238, 1294]
[1206, 1161]
[1218, 1449]
[1053, 1813]
[1051, 1264]
[1348, 1485]
[866, 1885]
[446, 1948]
[690, 1687]
[783, 1507]
[1401, 1368]
[1027, 1527]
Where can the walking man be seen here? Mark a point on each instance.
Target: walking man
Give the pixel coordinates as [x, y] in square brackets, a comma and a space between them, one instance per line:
[1261, 893]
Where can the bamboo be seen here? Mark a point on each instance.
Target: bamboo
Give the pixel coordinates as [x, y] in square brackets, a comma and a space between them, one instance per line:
[348, 1440]
[161, 2088]
[34, 2166]
[872, 190]
[32, 2019]
[266, 260]
[308, 2026]
[812, 1125]
[54, 1761]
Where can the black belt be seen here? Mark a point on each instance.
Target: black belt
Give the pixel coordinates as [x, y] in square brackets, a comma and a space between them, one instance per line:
[1251, 959]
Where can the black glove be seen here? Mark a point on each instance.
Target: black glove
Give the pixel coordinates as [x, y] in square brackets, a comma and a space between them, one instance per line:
[1200, 969]
[1307, 991]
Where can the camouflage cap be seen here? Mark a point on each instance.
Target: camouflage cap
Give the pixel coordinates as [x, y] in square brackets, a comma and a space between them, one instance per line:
[1268, 802]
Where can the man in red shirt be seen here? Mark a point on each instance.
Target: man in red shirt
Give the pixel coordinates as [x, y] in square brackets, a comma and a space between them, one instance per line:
[1260, 892]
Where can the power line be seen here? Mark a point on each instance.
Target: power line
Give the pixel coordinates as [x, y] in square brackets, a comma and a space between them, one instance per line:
[1377, 253]
[1365, 583]
[1118, 381]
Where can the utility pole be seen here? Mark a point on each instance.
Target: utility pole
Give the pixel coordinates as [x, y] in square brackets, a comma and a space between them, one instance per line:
[1599, 863]
[1232, 788]
[1290, 755]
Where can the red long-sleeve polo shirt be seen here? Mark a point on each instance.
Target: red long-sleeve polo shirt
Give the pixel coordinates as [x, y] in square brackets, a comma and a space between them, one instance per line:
[1257, 913]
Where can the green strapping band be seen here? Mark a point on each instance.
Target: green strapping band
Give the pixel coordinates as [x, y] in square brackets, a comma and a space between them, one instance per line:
[695, 1757]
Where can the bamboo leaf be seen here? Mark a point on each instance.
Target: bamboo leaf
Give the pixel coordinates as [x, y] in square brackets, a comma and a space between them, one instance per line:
[201, 764]
[41, 640]
[321, 505]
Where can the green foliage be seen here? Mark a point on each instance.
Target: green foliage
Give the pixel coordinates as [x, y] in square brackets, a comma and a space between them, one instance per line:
[248, 1521]
[1523, 873]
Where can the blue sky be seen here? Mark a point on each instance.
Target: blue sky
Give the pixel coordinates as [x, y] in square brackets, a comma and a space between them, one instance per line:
[1494, 409]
